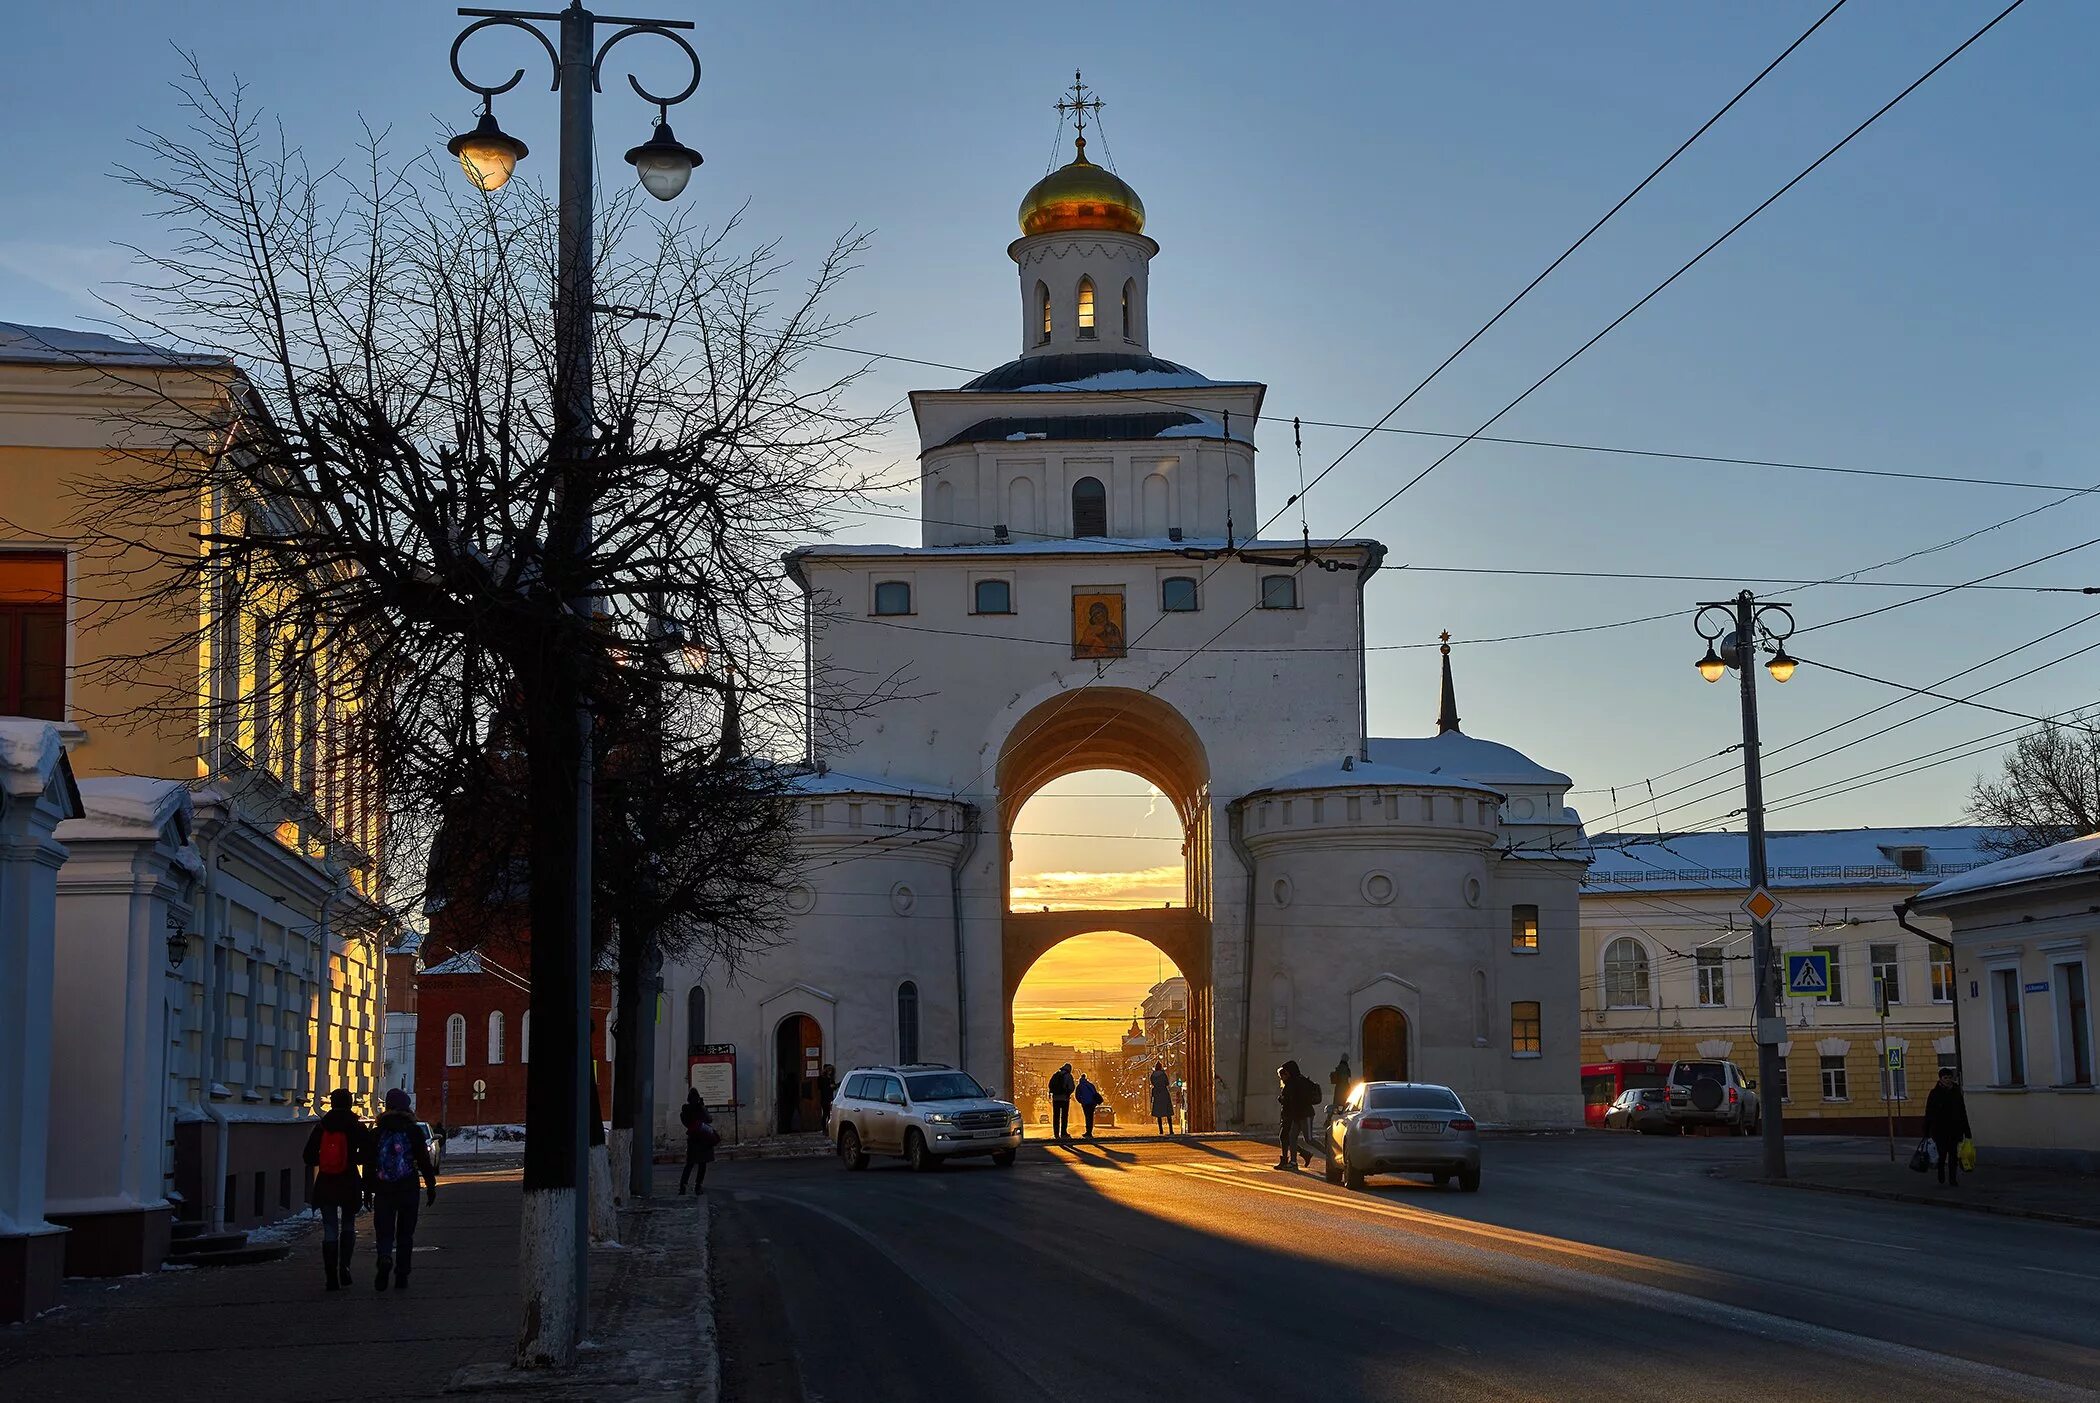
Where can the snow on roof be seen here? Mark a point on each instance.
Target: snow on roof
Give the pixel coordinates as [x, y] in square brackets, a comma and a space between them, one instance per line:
[1456, 753]
[1096, 370]
[2062, 860]
[832, 782]
[29, 746]
[1134, 380]
[1084, 545]
[128, 806]
[1797, 858]
[465, 962]
[1349, 772]
[57, 345]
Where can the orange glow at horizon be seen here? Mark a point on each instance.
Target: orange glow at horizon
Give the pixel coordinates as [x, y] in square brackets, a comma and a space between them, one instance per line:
[1084, 991]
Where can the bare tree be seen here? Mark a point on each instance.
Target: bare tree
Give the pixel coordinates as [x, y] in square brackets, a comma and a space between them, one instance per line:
[2047, 792]
[379, 494]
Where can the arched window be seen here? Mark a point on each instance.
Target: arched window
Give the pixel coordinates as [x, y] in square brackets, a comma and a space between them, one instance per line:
[1129, 288]
[495, 1037]
[1042, 302]
[893, 597]
[1177, 594]
[907, 1022]
[994, 597]
[1089, 507]
[1279, 591]
[525, 1037]
[1625, 974]
[695, 1018]
[1086, 309]
[456, 1040]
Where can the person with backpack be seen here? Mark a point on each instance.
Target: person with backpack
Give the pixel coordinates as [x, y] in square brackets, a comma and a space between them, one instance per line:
[1061, 1102]
[1298, 1095]
[700, 1140]
[337, 1152]
[1089, 1098]
[400, 1156]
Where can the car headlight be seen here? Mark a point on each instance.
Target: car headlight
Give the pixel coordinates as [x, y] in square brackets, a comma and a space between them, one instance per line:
[940, 1118]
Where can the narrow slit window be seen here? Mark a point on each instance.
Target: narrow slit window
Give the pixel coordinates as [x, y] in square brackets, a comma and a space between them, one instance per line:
[1089, 507]
[1042, 303]
[1086, 309]
[1128, 288]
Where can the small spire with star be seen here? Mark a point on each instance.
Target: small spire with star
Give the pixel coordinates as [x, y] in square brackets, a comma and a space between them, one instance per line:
[1447, 704]
[1076, 105]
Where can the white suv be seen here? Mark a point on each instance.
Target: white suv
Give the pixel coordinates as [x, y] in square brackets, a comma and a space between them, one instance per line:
[924, 1111]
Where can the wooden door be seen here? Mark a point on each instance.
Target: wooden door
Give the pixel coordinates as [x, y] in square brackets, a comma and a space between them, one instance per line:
[1385, 1045]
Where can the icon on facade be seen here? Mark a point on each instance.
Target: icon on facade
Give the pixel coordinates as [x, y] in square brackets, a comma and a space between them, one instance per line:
[1097, 625]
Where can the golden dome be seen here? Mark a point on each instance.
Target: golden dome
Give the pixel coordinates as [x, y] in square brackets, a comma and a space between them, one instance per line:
[1082, 196]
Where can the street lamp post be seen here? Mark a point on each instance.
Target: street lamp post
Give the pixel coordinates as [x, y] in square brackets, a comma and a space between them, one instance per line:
[1738, 650]
[555, 1235]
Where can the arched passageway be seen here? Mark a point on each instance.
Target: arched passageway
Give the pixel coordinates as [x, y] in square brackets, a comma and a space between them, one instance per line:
[1114, 1007]
[1110, 728]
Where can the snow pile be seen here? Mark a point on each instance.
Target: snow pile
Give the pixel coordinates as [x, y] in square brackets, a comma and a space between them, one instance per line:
[2063, 860]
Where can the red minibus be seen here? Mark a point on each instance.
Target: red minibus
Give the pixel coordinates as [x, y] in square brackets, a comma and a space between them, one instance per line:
[1603, 1081]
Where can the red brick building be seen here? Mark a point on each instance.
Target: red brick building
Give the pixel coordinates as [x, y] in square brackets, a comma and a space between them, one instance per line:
[472, 1024]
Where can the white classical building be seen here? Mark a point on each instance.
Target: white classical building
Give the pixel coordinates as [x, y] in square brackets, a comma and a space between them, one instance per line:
[1087, 596]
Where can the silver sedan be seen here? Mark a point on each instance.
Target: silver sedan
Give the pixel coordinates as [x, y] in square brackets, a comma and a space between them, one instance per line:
[1404, 1126]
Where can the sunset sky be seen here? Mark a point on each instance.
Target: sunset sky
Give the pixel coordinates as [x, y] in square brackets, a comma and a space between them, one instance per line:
[1095, 838]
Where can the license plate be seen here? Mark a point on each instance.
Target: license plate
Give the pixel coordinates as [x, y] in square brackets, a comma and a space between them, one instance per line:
[1420, 1127]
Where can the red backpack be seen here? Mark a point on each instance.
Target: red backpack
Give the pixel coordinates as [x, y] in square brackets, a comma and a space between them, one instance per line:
[335, 1152]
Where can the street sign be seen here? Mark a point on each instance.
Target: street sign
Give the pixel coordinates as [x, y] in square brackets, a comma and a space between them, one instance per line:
[480, 1087]
[1807, 974]
[1761, 904]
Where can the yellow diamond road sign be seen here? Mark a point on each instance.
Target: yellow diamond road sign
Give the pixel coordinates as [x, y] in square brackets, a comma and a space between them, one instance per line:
[1761, 904]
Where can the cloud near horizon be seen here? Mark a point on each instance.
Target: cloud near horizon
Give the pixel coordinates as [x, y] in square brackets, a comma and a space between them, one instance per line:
[1065, 891]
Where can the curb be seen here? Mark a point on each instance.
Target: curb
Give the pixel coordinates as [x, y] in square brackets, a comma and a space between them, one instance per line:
[2039, 1215]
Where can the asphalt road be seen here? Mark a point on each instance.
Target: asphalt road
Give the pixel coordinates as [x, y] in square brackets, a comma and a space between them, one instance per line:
[1587, 1267]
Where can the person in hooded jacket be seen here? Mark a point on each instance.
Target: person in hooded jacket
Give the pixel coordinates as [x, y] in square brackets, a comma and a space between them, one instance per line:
[337, 1152]
[1947, 1125]
[1060, 1089]
[1089, 1098]
[400, 1157]
[700, 1137]
[1297, 1095]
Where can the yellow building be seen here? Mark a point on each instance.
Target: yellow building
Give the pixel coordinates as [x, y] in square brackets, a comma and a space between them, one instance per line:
[1666, 972]
[277, 990]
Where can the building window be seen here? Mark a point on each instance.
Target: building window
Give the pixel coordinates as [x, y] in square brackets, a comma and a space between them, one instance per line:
[1625, 974]
[1086, 309]
[1177, 594]
[496, 1037]
[33, 634]
[893, 597]
[1523, 927]
[2074, 1027]
[2009, 1030]
[456, 1040]
[1279, 591]
[1042, 302]
[1885, 972]
[1894, 1084]
[1910, 859]
[1834, 1078]
[1837, 983]
[1089, 507]
[907, 1022]
[695, 1019]
[525, 1037]
[1713, 977]
[1129, 287]
[1942, 975]
[1524, 1029]
[994, 597]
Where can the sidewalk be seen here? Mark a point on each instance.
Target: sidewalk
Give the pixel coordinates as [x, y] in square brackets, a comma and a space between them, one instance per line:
[1861, 1167]
[272, 1332]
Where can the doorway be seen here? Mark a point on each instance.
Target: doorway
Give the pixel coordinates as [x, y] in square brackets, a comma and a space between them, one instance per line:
[1385, 1045]
[798, 1068]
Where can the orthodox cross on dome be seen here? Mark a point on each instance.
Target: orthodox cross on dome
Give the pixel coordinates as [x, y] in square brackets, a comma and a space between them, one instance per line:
[1447, 703]
[1078, 105]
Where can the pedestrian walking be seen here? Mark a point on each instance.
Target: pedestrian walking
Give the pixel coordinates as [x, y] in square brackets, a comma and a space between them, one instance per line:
[1947, 1125]
[400, 1158]
[828, 1090]
[1088, 1096]
[1162, 1099]
[1340, 1080]
[1060, 1089]
[439, 1135]
[337, 1151]
[1297, 1095]
[700, 1139]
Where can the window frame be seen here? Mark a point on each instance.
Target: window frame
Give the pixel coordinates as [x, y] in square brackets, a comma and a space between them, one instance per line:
[1825, 1072]
[1287, 579]
[1195, 594]
[1523, 930]
[496, 1031]
[875, 598]
[1942, 959]
[1888, 973]
[16, 617]
[1710, 976]
[1042, 300]
[2007, 1008]
[456, 1040]
[1641, 971]
[1129, 323]
[977, 594]
[1072, 497]
[2072, 1020]
[1527, 1033]
[1085, 304]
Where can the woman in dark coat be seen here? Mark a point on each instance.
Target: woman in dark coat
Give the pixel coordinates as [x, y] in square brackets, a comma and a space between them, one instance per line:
[699, 1141]
[339, 1151]
[1947, 1125]
[1162, 1099]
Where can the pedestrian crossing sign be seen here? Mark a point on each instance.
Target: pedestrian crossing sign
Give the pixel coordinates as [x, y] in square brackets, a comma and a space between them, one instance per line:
[1808, 974]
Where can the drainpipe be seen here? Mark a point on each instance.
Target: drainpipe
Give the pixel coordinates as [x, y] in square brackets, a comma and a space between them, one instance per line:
[1903, 920]
[962, 996]
[211, 1045]
[1235, 826]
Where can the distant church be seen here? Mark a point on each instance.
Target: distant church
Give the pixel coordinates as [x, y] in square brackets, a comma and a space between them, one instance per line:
[1085, 597]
